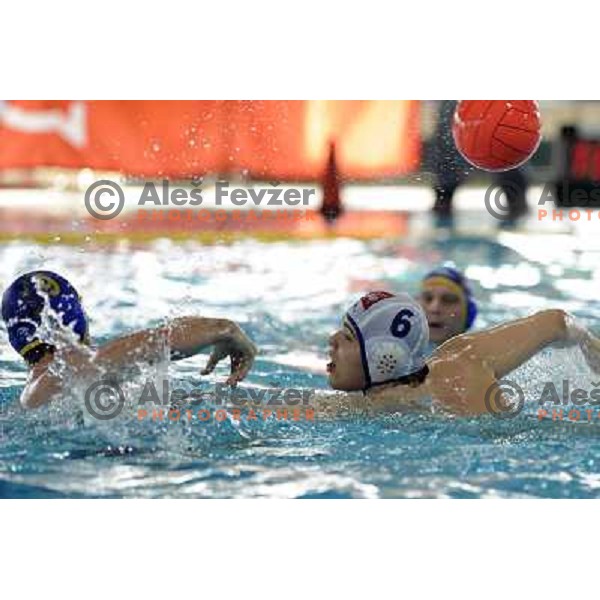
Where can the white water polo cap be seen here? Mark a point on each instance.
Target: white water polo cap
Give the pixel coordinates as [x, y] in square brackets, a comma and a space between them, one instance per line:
[393, 335]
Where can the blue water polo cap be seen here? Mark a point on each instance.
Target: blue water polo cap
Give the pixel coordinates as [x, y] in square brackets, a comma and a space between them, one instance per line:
[33, 298]
[454, 280]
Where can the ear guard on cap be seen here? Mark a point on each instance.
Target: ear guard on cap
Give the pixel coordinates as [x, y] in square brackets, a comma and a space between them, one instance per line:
[471, 313]
[393, 335]
[385, 357]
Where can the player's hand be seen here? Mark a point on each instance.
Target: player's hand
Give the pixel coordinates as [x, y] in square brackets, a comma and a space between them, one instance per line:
[241, 351]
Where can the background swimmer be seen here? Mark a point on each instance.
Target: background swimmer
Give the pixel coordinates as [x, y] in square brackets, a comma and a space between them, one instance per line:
[47, 325]
[448, 302]
[381, 350]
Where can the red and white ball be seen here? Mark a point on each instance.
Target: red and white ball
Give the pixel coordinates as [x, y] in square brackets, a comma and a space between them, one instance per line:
[497, 135]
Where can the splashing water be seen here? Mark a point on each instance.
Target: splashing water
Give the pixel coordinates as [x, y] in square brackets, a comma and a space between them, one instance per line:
[288, 297]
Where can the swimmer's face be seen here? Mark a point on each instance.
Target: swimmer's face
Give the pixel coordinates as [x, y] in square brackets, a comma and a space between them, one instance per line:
[444, 311]
[345, 367]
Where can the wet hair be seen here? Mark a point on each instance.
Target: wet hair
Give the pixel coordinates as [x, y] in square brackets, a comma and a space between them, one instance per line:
[35, 355]
[412, 379]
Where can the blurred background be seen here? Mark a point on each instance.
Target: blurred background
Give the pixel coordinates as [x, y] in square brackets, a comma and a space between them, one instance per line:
[379, 158]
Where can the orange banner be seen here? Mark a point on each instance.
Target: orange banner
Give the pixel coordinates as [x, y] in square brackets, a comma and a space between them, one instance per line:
[282, 140]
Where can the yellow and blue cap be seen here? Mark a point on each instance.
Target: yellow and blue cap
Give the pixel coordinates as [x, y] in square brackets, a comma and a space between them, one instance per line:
[28, 299]
[455, 281]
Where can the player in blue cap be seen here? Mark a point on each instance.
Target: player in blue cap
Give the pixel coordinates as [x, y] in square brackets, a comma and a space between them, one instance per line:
[47, 325]
[449, 305]
[33, 304]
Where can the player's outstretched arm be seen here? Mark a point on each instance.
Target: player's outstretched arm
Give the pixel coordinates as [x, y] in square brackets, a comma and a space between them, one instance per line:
[506, 347]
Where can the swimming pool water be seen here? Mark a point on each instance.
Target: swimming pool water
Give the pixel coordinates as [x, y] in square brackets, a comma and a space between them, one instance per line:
[289, 297]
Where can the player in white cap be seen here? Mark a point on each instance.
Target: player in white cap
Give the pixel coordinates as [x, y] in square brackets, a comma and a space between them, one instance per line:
[381, 351]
